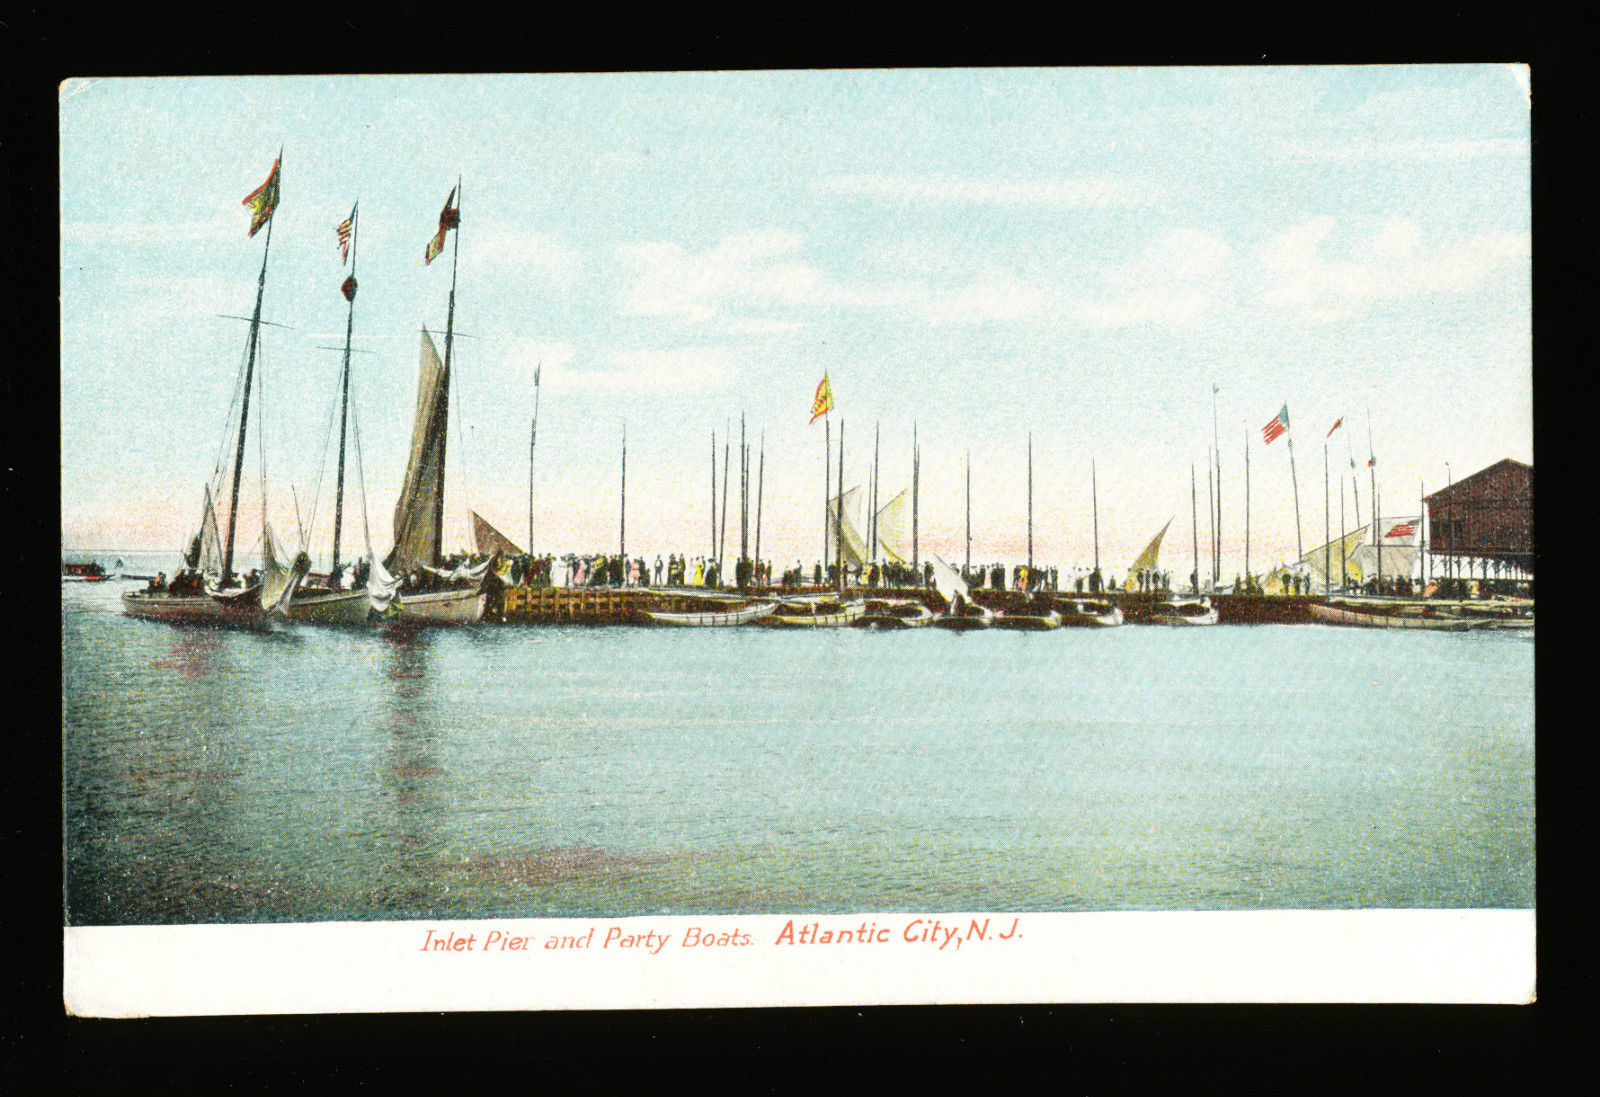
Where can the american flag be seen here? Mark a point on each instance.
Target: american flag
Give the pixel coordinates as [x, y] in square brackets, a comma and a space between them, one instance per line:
[346, 230]
[1279, 424]
[1404, 529]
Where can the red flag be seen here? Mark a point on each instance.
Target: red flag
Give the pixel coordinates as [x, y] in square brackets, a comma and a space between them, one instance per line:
[1279, 424]
[1404, 529]
[449, 218]
[263, 200]
[822, 403]
[1337, 423]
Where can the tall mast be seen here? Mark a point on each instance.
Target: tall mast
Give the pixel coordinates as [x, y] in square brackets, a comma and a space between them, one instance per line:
[1030, 508]
[1211, 511]
[1216, 449]
[1344, 569]
[713, 492]
[916, 492]
[969, 516]
[744, 494]
[249, 376]
[1247, 504]
[1299, 546]
[1094, 496]
[873, 520]
[722, 534]
[1194, 525]
[344, 391]
[533, 440]
[622, 537]
[1422, 543]
[761, 476]
[1327, 562]
[1372, 467]
[444, 403]
[827, 489]
[838, 515]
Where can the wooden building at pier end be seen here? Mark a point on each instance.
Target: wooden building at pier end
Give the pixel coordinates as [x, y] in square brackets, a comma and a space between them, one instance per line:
[1485, 521]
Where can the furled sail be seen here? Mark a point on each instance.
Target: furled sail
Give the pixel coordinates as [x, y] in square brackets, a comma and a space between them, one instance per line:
[488, 540]
[1147, 558]
[279, 579]
[206, 553]
[855, 549]
[418, 511]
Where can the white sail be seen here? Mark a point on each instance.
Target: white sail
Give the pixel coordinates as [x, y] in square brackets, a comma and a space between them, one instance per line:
[210, 558]
[1147, 558]
[855, 548]
[417, 511]
[892, 529]
[949, 585]
[487, 540]
[279, 579]
[381, 586]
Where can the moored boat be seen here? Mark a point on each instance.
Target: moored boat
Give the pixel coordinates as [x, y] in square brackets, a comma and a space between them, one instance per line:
[1028, 619]
[813, 613]
[428, 593]
[325, 606]
[1088, 612]
[1184, 611]
[718, 613]
[965, 616]
[894, 613]
[1336, 614]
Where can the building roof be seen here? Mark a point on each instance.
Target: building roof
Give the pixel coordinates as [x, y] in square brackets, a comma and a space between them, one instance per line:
[1468, 484]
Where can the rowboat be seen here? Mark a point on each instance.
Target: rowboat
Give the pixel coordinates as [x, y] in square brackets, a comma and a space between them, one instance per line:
[238, 607]
[325, 606]
[829, 613]
[1088, 613]
[965, 617]
[441, 607]
[1029, 619]
[1340, 615]
[1185, 611]
[887, 613]
[730, 613]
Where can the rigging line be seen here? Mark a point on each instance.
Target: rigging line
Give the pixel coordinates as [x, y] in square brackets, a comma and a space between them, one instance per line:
[463, 432]
[224, 448]
[322, 455]
[361, 472]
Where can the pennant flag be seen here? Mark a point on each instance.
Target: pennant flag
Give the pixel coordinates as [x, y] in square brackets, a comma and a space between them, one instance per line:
[263, 200]
[1337, 423]
[1404, 529]
[346, 230]
[348, 288]
[1371, 461]
[1279, 424]
[449, 218]
[822, 403]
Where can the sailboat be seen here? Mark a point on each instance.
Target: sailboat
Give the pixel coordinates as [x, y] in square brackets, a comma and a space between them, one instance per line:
[430, 593]
[962, 614]
[327, 602]
[208, 590]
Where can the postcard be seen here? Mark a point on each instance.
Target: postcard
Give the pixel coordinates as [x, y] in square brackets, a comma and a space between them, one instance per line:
[1127, 595]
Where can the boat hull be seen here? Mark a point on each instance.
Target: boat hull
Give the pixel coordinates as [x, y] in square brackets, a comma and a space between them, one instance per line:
[441, 607]
[848, 615]
[963, 624]
[1334, 615]
[712, 619]
[339, 607]
[198, 609]
[1029, 622]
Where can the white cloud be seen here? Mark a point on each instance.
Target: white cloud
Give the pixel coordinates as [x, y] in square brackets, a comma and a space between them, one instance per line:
[1073, 193]
[1173, 281]
[1393, 261]
[679, 368]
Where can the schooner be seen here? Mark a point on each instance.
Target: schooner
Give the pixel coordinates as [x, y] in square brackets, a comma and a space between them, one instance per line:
[208, 589]
[428, 592]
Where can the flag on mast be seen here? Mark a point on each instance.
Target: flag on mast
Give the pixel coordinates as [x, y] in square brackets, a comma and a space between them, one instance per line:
[1337, 423]
[1279, 424]
[346, 230]
[263, 200]
[822, 403]
[449, 218]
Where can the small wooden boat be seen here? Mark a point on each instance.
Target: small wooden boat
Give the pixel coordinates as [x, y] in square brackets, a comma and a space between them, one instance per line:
[965, 617]
[441, 607]
[813, 613]
[1029, 619]
[1336, 614]
[1088, 613]
[240, 607]
[326, 606]
[90, 572]
[889, 613]
[1185, 611]
[727, 612]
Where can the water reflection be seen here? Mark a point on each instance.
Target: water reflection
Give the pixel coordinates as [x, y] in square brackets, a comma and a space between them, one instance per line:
[409, 834]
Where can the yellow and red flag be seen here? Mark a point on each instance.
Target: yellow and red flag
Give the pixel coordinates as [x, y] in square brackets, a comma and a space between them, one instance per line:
[263, 200]
[822, 403]
[449, 218]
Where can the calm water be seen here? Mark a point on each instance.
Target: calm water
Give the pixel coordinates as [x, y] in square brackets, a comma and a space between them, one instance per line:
[215, 775]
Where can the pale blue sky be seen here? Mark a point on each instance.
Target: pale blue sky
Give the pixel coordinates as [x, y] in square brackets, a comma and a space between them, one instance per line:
[1079, 253]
